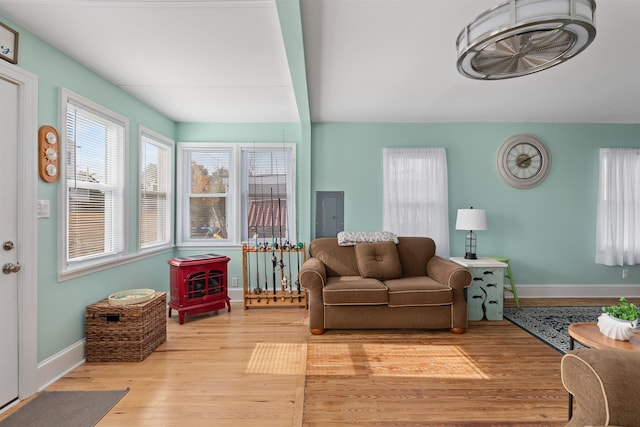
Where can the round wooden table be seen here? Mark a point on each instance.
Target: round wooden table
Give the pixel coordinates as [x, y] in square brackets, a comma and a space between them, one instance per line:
[588, 334]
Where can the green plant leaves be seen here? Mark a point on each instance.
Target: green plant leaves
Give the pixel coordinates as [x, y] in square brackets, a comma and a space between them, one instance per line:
[623, 311]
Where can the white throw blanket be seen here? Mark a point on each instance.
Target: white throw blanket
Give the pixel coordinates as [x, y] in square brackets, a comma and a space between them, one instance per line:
[351, 238]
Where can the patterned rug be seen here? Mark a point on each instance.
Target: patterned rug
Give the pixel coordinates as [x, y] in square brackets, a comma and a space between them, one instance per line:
[550, 324]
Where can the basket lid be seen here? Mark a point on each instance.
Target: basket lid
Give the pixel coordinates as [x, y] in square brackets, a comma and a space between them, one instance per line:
[131, 296]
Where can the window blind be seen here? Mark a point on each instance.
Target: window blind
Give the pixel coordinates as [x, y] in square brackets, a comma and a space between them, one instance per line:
[266, 176]
[154, 191]
[94, 184]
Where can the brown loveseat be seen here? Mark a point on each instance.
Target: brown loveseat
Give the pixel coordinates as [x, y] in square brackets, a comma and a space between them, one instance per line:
[383, 285]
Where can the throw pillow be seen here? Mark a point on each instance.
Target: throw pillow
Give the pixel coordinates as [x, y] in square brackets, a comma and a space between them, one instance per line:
[378, 260]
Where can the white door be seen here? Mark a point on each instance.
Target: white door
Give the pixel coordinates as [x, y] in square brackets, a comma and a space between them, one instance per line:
[8, 242]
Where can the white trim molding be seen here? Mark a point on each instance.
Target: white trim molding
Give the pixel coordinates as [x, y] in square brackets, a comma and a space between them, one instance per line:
[577, 291]
[55, 367]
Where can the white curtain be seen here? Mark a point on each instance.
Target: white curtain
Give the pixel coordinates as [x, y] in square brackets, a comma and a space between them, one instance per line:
[618, 218]
[415, 200]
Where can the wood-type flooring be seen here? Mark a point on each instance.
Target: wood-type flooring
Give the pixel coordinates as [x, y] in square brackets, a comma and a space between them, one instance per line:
[247, 368]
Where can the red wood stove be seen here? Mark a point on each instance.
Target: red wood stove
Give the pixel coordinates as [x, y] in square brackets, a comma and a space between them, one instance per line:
[198, 284]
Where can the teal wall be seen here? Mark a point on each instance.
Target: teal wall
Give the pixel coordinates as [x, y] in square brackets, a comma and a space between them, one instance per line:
[547, 231]
[61, 304]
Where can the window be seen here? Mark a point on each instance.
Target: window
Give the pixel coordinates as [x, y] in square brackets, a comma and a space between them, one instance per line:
[415, 200]
[235, 193]
[94, 141]
[206, 194]
[618, 215]
[156, 190]
[267, 181]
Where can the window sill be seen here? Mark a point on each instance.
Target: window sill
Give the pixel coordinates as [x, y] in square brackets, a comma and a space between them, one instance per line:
[93, 268]
[199, 246]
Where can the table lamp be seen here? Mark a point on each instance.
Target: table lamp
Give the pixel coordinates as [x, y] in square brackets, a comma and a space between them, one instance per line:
[471, 219]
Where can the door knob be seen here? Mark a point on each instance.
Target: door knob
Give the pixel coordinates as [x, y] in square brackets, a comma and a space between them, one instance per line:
[9, 268]
[8, 245]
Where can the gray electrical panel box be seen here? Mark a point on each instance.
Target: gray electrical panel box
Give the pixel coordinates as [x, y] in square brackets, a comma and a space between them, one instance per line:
[329, 213]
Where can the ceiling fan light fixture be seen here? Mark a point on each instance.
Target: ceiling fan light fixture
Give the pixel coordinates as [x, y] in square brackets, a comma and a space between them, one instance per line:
[521, 37]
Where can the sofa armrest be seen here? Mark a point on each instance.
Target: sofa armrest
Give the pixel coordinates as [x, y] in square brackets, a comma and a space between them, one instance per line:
[313, 274]
[449, 273]
[605, 384]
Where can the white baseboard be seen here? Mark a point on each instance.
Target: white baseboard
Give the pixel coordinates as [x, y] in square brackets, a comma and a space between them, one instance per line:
[576, 291]
[236, 294]
[56, 366]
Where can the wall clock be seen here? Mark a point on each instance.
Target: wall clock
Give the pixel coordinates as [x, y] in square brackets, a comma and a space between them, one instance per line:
[523, 161]
[48, 153]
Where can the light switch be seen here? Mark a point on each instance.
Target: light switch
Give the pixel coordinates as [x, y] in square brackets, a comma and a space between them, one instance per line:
[43, 209]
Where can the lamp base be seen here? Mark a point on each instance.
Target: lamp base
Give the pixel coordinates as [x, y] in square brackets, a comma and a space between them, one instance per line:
[469, 255]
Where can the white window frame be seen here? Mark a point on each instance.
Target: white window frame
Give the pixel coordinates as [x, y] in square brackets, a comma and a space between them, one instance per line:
[238, 187]
[69, 269]
[184, 191]
[147, 136]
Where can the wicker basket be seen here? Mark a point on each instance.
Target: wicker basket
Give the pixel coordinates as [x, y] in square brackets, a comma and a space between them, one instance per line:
[126, 333]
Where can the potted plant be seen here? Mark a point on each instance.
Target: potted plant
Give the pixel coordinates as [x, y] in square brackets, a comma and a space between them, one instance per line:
[619, 321]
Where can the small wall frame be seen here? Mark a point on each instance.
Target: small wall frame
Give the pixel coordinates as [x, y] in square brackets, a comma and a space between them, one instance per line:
[8, 44]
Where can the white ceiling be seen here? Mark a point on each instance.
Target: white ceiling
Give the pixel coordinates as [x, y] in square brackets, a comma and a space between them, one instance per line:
[366, 60]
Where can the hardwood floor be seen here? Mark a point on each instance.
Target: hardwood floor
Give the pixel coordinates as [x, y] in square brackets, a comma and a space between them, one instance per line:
[494, 374]
[229, 369]
[246, 368]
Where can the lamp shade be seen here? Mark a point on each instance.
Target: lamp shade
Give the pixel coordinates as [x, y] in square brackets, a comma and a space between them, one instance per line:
[471, 219]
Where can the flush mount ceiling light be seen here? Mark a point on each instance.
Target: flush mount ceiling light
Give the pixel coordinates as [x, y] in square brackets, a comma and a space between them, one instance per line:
[521, 37]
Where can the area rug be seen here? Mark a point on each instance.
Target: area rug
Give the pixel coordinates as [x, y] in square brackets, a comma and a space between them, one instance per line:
[550, 324]
[65, 409]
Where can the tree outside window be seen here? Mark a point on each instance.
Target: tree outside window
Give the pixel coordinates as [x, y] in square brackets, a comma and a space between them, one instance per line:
[209, 195]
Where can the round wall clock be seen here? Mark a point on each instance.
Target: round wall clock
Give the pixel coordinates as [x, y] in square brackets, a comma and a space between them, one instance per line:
[523, 161]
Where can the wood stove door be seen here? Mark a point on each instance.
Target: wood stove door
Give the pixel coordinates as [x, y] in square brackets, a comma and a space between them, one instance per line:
[203, 285]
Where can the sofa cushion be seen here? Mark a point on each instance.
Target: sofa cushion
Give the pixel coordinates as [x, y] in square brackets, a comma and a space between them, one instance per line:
[354, 290]
[378, 260]
[418, 291]
[414, 253]
[339, 260]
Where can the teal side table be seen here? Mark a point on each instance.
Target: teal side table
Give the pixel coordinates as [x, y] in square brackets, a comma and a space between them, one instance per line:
[485, 295]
